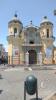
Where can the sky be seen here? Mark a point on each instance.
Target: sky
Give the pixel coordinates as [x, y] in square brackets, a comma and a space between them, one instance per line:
[27, 10]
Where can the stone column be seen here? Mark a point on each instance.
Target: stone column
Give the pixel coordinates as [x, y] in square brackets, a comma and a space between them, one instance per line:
[27, 58]
[40, 58]
[37, 59]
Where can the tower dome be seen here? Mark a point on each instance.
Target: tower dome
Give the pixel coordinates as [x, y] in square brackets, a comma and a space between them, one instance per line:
[15, 20]
[46, 28]
[46, 20]
[15, 26]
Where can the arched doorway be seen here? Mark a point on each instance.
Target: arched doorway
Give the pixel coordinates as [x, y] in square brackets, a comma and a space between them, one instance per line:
[32, 57]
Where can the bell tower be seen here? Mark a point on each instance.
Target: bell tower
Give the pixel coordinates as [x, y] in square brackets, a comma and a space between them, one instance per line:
[46, 33]
[46, 28]
[14, 26]
[14, 30]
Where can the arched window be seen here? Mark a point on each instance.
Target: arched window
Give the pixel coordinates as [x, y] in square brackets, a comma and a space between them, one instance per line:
[47, 33]
[15, 31]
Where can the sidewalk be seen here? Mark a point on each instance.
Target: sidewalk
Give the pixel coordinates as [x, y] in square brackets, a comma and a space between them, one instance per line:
[41, 67]
[29, 67]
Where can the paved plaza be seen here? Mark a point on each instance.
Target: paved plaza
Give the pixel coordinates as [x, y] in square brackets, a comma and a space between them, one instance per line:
[12, 82]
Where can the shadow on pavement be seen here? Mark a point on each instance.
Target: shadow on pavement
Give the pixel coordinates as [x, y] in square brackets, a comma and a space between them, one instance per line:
[1, 91]
[1, 76]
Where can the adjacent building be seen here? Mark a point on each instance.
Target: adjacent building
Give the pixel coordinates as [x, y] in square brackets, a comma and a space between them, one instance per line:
[30, 44]
[3, 54]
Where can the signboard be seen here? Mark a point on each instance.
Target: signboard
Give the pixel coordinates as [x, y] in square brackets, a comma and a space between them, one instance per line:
[48, 52]
[15, 51]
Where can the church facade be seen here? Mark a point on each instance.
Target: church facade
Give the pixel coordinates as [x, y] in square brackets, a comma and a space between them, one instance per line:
[30, 44]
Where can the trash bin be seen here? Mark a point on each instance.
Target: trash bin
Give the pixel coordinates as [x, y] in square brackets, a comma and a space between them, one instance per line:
[31, 84]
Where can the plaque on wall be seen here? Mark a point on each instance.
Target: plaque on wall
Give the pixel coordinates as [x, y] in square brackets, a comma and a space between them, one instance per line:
[15, 51]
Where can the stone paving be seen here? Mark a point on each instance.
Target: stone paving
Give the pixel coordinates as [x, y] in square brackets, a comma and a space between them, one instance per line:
[12, 82]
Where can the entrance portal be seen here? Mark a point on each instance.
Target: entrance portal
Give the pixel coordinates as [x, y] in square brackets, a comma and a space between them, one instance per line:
[32, 57]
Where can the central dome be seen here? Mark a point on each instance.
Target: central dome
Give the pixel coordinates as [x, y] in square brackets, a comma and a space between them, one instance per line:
[31, 26]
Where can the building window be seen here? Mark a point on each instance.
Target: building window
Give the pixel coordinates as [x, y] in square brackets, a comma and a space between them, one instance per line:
[31, 42]
[15, 31]
[43, 35]
[47, 33]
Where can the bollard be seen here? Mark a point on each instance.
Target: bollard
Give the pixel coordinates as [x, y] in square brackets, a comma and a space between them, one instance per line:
[30, 86]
